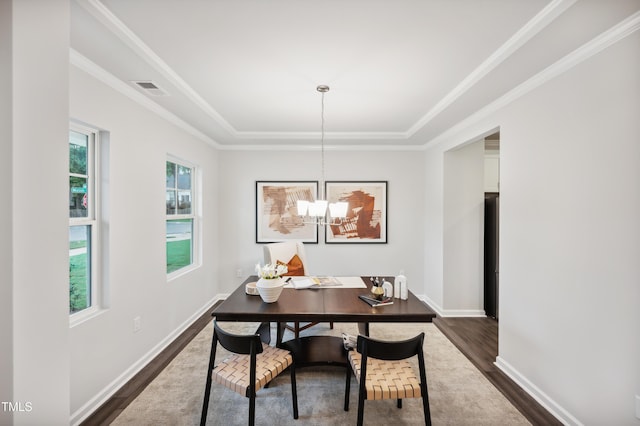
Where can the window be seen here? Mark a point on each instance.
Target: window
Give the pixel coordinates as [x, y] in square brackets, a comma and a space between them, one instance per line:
[83, 221]
[180, 215]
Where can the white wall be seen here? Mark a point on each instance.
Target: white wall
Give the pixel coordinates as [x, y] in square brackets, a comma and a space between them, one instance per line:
[492, 171]
[105, 349]
[463, 239]
[404, 171]
[570, 199]
[434, 234]
[570, 237]
[38, 130]
[6, 217]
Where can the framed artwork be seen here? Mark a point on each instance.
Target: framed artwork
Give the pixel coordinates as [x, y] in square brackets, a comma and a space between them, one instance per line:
[366, 220]
[276, 211]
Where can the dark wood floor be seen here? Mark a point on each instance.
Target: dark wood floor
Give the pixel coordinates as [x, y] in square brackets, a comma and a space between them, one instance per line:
[477, 338]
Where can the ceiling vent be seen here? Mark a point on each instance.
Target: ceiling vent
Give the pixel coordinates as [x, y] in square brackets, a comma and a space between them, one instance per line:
[150, 87]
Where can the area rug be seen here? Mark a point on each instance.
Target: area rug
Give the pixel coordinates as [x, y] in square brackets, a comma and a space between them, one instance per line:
[458, 393]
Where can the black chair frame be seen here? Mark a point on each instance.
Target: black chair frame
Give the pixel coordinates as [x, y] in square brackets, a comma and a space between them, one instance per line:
[388, 351]
[245, 345]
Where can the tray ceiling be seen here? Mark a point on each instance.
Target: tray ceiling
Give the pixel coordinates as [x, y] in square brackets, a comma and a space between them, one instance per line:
[244, 72]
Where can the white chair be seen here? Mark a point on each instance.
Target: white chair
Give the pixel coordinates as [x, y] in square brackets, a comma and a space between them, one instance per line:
[284, 252]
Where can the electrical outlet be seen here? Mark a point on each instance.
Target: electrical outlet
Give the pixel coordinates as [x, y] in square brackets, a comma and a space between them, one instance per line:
[137, 324]
[638, 406]
[239, 273]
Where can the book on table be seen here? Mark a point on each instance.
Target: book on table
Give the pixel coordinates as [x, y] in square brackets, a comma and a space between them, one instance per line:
[372, 301]
[309, 282]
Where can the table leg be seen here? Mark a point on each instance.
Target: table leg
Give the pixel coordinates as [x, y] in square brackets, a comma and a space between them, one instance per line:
[279, 333]
[363, 328]
[317, 350]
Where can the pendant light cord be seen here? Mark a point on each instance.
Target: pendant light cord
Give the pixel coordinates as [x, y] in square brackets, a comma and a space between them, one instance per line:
[322, 145]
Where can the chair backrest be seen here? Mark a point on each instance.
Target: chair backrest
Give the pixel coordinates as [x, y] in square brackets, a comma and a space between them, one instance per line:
[239, 344]
[390, 350]
[284, 252]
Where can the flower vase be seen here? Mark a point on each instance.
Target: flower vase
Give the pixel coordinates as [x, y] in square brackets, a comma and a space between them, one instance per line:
[270, 288]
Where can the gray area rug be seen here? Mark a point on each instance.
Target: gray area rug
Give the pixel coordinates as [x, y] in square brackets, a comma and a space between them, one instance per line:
[458, 393]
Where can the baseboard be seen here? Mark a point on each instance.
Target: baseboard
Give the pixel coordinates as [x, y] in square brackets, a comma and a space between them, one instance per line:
[433, 305]
[103, 396]
[471, 313]
[452, 312]
[542, 398]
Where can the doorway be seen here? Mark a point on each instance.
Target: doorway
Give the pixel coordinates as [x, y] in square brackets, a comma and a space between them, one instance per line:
[470, 170]
[491, 225]
[491, 249]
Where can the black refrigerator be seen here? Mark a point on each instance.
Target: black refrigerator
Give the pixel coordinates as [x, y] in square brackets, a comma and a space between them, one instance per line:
[491, 250]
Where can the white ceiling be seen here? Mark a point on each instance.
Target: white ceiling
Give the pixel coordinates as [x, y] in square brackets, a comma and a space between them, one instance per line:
[244, 72]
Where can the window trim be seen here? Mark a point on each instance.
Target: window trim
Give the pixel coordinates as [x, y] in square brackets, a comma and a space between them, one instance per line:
[194, 216]
[93, 220]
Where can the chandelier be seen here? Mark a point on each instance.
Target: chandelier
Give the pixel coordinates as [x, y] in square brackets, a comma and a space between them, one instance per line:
[315, 212]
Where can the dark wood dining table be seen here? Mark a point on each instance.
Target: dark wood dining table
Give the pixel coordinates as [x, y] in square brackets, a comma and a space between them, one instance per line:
[332, 304]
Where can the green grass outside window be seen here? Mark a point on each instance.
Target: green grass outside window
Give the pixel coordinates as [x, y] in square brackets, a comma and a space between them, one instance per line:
[178, 254]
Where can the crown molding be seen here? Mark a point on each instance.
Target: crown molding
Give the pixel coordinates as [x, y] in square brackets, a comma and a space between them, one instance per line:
[613, 35]
[310, 148]
[116, 26]
[533, 27]
[124, 33]
[81, 62]
[530, 29]
[328, 135]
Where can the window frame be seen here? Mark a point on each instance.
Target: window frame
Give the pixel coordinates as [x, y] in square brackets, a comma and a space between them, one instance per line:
[193, 216]
[92, 221]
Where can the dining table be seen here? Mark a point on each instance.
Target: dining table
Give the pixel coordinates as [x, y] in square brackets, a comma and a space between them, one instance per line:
[335, 303]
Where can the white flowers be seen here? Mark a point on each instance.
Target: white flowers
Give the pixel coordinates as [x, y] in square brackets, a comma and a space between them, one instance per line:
[271, 270]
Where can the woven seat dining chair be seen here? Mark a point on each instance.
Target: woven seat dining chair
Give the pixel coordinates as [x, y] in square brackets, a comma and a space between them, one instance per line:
[383, 371]
[251, 366]
[292, 254]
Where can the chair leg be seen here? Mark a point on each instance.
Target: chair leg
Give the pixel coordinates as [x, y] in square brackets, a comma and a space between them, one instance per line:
[425, 406]
[361, 407]
[294, 391]
[331, 325]
[205, 403]
[252, 409]
[399, 403]
[296, 333]
[347, 388]
[207, 388]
